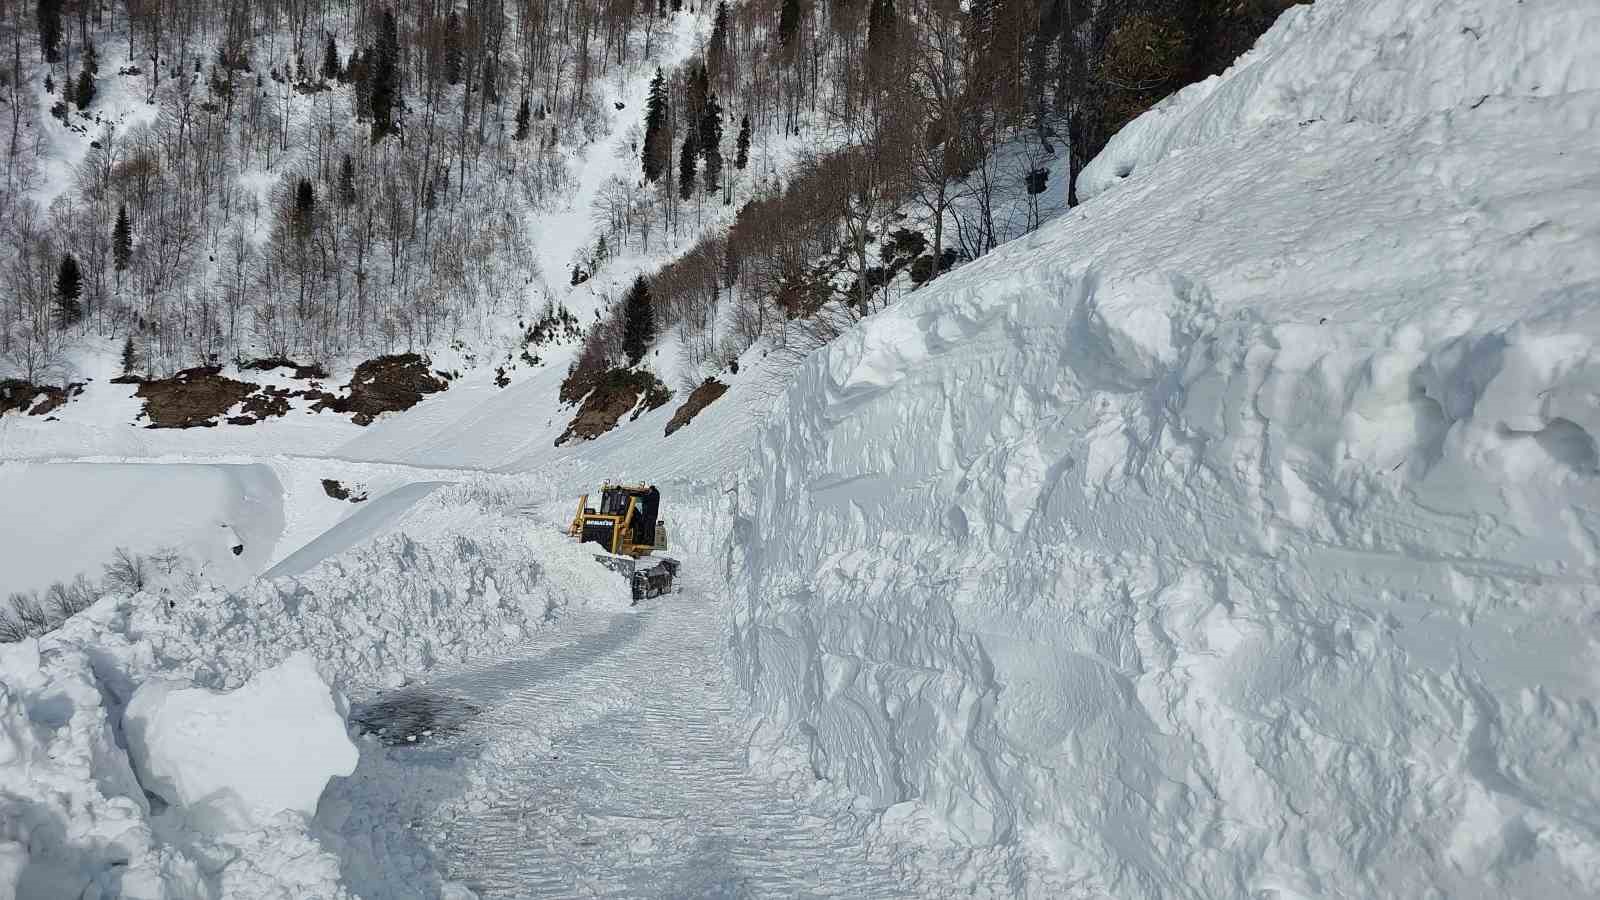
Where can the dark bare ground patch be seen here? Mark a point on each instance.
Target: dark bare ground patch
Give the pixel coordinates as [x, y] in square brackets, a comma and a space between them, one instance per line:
[192, 398]
[307, 372]
[700, 398]
[613, 394]
[385, 384]
[336, 489]
[34, 399]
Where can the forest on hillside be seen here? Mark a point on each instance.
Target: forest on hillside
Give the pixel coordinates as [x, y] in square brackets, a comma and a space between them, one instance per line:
[923, 129]
[198, 181]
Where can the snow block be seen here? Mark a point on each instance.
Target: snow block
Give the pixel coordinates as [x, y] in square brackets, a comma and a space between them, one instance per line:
[234, 760]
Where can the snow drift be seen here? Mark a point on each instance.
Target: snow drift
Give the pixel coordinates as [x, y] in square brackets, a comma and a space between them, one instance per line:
[69, 518]
[1235, 534]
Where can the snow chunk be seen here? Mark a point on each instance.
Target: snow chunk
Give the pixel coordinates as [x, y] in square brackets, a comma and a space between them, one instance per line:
[237, 759]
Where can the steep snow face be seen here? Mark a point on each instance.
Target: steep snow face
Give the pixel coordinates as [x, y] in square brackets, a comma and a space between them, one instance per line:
[1236, 533]
[1379, 62]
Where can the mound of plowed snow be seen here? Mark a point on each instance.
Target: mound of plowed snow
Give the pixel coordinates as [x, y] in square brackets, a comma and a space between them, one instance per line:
[220, 702]
[230, 760]
[1236, 533]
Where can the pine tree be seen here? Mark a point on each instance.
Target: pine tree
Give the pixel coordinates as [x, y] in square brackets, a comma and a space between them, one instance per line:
[742, 159]
[130, 356]
[711, 143]
[686, 167]
[639, 321]
[717, 50]
[695, 93]
[788, 22]
[305, 207]
[84, 95]
[491, 88]
[656, 148]
[121, 242]
[91, 59]
[358, 70]
[347, 181]
[522, 120]
[330, 60]
[385, 78]
[50, 29]
[880, 29]
[69, 287]
[453, 49]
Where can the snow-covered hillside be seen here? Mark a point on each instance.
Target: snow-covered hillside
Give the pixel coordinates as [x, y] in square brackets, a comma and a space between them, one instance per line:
[1235, 534]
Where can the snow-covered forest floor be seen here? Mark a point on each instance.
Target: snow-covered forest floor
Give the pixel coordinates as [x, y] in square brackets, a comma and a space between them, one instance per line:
[1234, 534]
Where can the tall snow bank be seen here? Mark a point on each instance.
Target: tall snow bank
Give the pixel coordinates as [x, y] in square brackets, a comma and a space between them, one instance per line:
[1236, 534]
[235, 759]
[1379, 62]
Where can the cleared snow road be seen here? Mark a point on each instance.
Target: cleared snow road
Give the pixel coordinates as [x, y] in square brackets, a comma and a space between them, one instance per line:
[608, 761]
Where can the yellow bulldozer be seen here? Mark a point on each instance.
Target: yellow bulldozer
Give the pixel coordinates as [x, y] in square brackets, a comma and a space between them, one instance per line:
[628, 527]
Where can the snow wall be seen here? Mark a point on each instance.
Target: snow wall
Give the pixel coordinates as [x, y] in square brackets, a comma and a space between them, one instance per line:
[1236, 533]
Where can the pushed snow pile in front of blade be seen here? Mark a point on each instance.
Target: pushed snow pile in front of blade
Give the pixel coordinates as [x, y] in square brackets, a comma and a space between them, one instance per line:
[1237, 533]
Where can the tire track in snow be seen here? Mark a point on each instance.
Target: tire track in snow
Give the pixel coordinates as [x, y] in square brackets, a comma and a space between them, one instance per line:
[613, 765]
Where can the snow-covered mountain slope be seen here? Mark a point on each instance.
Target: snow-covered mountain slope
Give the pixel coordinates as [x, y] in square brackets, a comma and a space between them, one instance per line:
[1236, 534]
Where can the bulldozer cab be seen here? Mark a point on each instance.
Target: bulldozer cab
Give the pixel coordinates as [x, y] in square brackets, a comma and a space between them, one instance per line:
[626, 522]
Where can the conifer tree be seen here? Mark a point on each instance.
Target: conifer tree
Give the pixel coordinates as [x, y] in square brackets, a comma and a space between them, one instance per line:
[121, 242]
[523, 116]
[385, 77]
[695, 93]
[656, 147]
[330, 60]
[453, 48]
[491, 89]
[347, 181]
[717, 50]
[788, 22]
[880, 31]
[742, 158]
[130, 356]
[69, 287]
[639, 321]
[711, 142]
[305, 207]
[50, 29]
[686, 167]
[84, 95]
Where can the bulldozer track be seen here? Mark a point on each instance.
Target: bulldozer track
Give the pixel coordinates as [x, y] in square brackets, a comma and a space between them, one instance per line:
[613, 765]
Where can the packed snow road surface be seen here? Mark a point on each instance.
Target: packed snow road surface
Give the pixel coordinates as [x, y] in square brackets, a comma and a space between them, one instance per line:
[611, 763]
